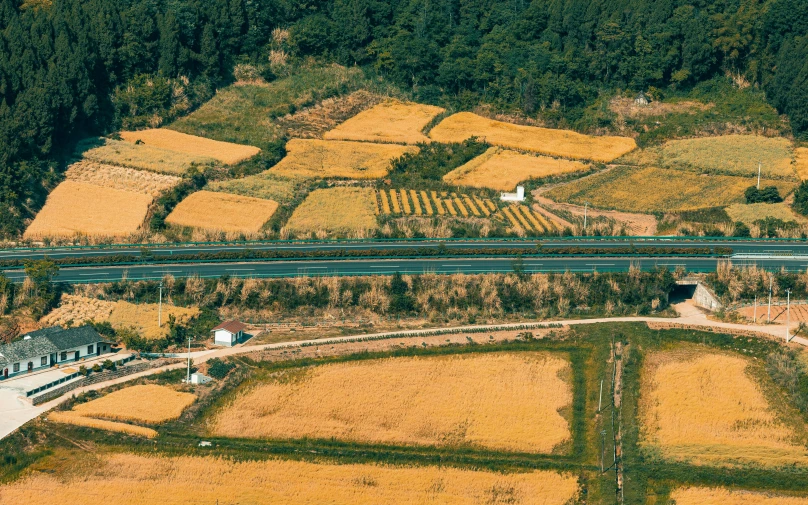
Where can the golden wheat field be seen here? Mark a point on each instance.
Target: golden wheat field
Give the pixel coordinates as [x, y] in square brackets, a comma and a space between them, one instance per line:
[125, 179]
[706, 409]
[333, 158]
[524, 218]
[646, 190]
[142, 156]
[146, 403]
[751, 212]
[801, 162]
[391, 121]
[498, 401]
[214, 211]
[163, 138]
[264, 185]
[339, 209]
[77, 419]
[720, 496]
[732, 154]
[564, 143]
[75, 310]
[129, 479]
[78, 208]
[409, 202]
[502, 169]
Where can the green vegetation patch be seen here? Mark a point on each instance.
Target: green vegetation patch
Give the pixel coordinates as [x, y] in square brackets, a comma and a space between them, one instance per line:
[263, 185]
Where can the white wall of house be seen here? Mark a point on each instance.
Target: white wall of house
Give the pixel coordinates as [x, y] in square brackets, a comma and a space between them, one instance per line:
[224, 337]
[42, 362]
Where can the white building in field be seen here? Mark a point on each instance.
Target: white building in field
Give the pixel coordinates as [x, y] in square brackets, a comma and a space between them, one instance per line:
[229, 333]
[50, 346]
[519, 196]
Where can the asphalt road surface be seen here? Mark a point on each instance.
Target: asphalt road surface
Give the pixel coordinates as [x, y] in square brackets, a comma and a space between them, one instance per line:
[293, 268]
[771, 247]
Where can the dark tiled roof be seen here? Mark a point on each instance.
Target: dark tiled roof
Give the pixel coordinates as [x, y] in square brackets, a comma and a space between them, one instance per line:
[33, 347]
[48, 340]
[231, 326]
[74, 337]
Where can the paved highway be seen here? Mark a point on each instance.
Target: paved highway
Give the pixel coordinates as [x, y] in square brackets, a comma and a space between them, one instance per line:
[293, 268]
[167, 250]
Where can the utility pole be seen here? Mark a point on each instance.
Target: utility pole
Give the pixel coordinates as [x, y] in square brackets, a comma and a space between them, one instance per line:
[586, 204]
[188, 375]
[788, 312]
[602, 448]
[600, 401]
[769, 315]
[755, 316]
[160, 307]
[759, 166]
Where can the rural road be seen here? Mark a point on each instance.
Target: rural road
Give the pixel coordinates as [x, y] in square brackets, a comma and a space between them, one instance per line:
[17, 411]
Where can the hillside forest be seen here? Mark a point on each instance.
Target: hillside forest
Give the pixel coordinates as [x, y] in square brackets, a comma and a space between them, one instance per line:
[71, 68]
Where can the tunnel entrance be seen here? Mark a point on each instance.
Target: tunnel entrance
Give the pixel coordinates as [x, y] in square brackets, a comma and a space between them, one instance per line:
[682, 292]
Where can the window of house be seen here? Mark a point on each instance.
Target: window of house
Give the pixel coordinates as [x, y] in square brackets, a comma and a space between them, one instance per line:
[16, 367]
[89, 349]
[64, 355]
[44, 360]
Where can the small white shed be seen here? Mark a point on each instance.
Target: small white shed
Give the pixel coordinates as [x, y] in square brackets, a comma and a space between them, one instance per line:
[228, 333]
[198, 378]
[519, 196]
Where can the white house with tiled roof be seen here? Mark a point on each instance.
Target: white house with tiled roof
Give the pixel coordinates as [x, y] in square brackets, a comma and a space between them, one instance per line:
[229, 333]
[50, 346]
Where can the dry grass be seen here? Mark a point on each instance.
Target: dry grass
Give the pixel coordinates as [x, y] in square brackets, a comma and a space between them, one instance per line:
[265, 185]
[497, 401]
[77, 208]
[706, 409]
[502, 169]
[721, 496]
[146, 403]
[647, 190]
[352, 160]
[749, 213]
[75, 310]
[99, 424]
[144, 157]
[732, 154]
[626, 107]
[801, 162]
[222, 212]
[391, 121]
[340, 209]
[225, 152]
[314, 121]
[126, 179]
[564, 143]
[129, 479]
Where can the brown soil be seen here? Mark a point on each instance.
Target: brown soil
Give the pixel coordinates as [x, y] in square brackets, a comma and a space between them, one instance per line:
[312, 122]
[637, 224]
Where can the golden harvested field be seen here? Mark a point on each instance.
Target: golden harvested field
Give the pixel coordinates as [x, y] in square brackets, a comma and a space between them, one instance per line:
[507, 401]
[408, 202]
[340, 209]
[129, 479]
[391, 121]
[706, 409]
[77, 208]
[721, 496]
[749, 213]
[647, 190]
[733, 154]
[76, 419]
[801, 162]
[222, 212]
[75, 310]
[502, 169]
[523, 217]
[143, 157]
[163, 138]
[265, 185]
[147, 403]
[325, 158]
[564, 143]
[126, 179]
